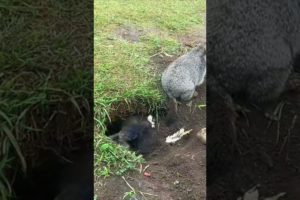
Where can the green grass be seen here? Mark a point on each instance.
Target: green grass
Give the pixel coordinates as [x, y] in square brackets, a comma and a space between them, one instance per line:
[129, 195]
[124, 74]
[117, 159]
[39, 74]
[167, 16]
[201, 106]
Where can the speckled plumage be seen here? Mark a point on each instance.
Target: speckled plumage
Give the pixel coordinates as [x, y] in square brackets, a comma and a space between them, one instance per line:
[251, 47]
[181, 77]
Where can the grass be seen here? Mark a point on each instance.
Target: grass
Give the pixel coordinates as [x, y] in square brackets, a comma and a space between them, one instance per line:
[201, 106]
[124, 72]
[129, 195]
[167, 16]
[116, 157]
[40, 74]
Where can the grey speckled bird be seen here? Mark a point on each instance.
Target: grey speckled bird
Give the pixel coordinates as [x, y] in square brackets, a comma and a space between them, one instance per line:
[252, 45]
[181, 77]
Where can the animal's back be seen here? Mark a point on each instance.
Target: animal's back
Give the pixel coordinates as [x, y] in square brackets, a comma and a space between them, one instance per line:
[141, 138]
[184, 74]
[139, 135]
[251, 45]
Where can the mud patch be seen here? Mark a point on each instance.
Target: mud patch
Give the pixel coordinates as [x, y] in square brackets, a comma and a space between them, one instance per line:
[160, 62]
[129, 33]
[194, 38]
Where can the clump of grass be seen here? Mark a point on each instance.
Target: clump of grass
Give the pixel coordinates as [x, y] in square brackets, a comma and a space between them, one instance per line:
[114, 159]
[123, 75]
[129, 195]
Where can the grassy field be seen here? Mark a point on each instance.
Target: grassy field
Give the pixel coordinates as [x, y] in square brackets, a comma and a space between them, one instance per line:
[40, 73]
[124, 74]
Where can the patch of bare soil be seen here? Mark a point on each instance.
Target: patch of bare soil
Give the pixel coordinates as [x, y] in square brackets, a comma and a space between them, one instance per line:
[176, 171]
[269, 155]
[193, 38]
[160, 61]
[129, 33]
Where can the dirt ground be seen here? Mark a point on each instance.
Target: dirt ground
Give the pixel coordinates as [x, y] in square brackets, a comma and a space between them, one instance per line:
[178, 171]
[269, 155]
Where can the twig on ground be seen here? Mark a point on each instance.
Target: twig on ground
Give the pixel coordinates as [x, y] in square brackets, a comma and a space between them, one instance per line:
[149, 194]
[128, 184]
[146, 168]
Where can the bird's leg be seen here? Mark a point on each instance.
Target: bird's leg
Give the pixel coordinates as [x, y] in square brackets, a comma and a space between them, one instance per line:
[189, 104]
[271, 112]
[176, 105]
[231, 115]
[243, 110]
[293, 83]
[222, 106]
[195, 94]
[274, 115]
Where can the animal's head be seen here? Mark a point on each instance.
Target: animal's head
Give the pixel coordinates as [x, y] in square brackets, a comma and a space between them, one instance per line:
[201, 51]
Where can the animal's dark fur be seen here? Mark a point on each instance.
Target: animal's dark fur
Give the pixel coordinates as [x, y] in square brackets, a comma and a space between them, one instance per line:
[77, 179]
[138, 135]
[252, 45]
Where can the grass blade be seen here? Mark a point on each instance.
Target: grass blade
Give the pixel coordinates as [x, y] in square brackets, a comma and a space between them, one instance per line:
[14, 142]
[2, 114]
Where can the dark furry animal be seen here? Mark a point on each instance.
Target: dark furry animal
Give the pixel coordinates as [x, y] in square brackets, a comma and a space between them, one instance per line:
[137, 134]
[75, 192]
[77, 179]
[251, 47]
